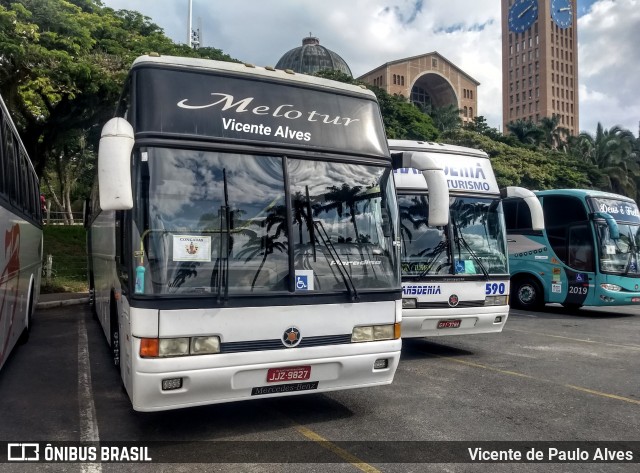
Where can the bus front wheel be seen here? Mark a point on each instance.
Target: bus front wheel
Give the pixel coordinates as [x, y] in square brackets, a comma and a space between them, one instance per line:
[527, 294]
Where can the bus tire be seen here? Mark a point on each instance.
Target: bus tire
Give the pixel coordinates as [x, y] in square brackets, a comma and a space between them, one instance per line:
[527, 294]
[24, 336]
[114, 338]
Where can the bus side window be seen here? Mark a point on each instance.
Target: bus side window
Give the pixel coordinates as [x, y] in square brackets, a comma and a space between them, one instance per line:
[517, 215]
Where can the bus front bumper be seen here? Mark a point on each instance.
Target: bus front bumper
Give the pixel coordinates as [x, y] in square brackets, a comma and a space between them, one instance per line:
[425, 322]
[212, 379]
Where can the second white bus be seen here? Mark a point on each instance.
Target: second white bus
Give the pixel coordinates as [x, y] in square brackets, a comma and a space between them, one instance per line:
[455, 277]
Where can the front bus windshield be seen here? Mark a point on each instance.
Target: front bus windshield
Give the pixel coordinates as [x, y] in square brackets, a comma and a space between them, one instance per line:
[473, 243]
[618, 255]
[218, 223]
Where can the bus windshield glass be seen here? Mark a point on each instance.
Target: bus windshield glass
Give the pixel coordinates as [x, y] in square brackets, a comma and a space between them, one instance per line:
[219, 223]
[476, 241]
[620, 255]
[479, 236]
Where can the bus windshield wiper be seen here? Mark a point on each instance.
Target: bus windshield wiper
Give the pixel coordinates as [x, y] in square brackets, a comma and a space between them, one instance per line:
[312, 236]
[346, 277]
[223, 271]
[437, 251]
[460, 239]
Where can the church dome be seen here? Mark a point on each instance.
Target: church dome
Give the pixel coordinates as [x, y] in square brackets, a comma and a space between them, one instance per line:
[311, 58]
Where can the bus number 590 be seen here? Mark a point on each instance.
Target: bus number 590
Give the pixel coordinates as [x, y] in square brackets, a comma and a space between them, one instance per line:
[495, 288]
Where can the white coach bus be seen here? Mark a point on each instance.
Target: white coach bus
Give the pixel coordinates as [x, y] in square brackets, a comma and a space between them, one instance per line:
[455, 277]
[20, 237]
[243, 236]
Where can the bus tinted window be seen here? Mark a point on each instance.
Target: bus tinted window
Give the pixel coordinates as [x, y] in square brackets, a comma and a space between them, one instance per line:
[517, 215]
[560, 212]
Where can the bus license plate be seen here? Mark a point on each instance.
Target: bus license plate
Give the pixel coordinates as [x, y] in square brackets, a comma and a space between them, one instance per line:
[449, 323]
[296, 373]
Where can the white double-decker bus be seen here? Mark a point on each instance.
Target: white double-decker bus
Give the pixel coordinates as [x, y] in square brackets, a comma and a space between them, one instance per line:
[243, 237]
[20, 237]
[455, 277]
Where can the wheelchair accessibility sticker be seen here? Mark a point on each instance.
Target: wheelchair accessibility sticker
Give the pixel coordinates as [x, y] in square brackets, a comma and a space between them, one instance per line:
[304, 280]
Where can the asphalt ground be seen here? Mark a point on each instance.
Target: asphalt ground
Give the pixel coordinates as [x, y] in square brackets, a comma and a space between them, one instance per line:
[552, 376]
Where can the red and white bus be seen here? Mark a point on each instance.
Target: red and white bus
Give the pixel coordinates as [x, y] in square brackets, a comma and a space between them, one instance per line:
[20, 237]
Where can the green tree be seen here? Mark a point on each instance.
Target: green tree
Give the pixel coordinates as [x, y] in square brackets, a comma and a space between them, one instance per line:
[525, 131]
[64, 64]
[402, 120]
[530, 168]
[445, 118]
[553, 135]
[613, 152]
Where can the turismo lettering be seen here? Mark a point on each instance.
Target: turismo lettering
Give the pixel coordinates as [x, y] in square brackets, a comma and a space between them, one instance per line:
[226, 102]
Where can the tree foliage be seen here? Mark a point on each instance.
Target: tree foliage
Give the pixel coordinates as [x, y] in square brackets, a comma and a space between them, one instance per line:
[402, 120]
[533, 169]
[62, 67]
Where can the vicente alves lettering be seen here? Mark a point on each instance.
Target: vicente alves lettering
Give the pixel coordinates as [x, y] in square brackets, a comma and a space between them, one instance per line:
[281, 131]
[228, 102]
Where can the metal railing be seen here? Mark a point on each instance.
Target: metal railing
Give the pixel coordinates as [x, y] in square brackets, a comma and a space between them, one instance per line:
[61, 218]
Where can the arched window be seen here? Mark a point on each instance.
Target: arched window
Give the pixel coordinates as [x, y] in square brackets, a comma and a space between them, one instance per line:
[394, 80]
[471, 112]
[465, 112]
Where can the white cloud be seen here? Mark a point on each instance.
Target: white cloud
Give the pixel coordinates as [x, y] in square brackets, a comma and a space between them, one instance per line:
[369, 33]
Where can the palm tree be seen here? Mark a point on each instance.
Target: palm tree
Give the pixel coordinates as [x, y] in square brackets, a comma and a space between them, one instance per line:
[444, 118]
[553, 135]
[525, 131]
[613, 152]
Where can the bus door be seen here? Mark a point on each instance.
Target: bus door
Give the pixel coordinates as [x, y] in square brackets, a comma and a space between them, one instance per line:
[580, 272]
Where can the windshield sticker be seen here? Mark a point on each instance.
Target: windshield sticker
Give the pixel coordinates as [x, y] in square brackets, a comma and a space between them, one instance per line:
[465, 266]
[191, 248]
[304, 280]
[610, 249]
[556, 288]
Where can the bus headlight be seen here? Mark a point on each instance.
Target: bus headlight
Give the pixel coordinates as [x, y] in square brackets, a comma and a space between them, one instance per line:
[409, 303]
[181, 346]
[496, 300]
[205, 345]
[373, 333]
[611, 287]
[173, 347]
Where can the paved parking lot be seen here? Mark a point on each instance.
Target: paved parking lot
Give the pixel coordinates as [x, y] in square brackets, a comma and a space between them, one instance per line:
[551, 376]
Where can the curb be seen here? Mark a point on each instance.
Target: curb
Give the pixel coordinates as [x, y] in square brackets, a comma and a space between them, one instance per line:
[65, 302]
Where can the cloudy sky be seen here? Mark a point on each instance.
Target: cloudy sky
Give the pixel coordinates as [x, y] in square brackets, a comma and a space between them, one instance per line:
[369, 33]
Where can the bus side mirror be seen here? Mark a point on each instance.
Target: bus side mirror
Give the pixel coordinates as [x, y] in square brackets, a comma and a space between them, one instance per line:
[436, 183]
[614, 231]
[537, 217]
[114, 165]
